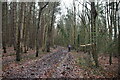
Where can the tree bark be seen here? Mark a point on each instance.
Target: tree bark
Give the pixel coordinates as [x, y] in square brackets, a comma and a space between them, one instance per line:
[4, 25]
[21, 18]
[38, 27]
[50, 28]
[119, 46]
[74, 25]
[93, 33]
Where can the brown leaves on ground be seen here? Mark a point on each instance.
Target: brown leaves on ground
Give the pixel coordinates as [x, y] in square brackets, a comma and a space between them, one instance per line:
[58, 64]
[90, 71]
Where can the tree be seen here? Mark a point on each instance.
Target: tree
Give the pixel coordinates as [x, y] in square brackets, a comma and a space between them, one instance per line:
[38, 27]
[20, 25]
[50, 29]
[1, 28]
[4, 24]
[14, 5]
[93, 32]
[74, 25]
[119, 43]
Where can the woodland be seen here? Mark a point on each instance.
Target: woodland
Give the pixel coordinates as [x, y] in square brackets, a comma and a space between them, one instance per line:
[36, 35]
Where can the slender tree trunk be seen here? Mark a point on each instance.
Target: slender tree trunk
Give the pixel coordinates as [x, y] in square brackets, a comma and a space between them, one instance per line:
[4, 24]
[21, 18]
[93, 34]
[78, 42]
[38, 27]
[119, 45]
[110, 31]
[74, 25]
[115, 26]
[50, 30]
[119, 35]
[14, 25]
[1, 26]
[37, 34]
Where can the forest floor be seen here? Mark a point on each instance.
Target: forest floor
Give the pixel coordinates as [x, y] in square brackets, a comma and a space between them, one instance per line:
[59, 63]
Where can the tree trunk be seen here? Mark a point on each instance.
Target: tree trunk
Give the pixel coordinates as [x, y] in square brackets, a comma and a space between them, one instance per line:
[110, 30]
[119, 45]
[93, 33]
[38, 27]
[14, 24]
[50, 29]
[74, 25]
[4, 24]
[37, 34]
[21, 18]
[1, 31]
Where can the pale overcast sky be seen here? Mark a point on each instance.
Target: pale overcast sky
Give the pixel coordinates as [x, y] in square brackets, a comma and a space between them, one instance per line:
[64, 4]
[67, 4]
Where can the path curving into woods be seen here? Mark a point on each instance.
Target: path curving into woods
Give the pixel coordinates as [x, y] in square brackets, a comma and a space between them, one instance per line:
[54, 65]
